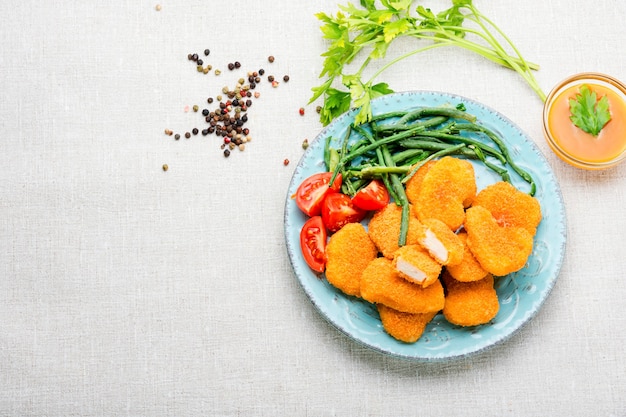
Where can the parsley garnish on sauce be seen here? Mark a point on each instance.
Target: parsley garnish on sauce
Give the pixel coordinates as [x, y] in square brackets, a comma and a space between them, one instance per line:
[587, 112]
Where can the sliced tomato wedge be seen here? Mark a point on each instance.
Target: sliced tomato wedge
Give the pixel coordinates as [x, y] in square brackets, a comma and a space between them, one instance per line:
[374, 196]
[338, 210]
[313, 243]
[313, 190]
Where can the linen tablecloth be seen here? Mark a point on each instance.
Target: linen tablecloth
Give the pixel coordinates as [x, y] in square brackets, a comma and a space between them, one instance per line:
[129, 290]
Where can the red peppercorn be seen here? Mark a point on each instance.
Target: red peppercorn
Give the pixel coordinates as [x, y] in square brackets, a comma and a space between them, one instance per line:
[286, 162]
[301, 111]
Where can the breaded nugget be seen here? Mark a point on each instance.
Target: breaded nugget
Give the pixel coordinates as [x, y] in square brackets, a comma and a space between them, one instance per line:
[470, 303]
[384, 229]
[413, 185]
[509, 206]
[381, 284]
[441, 242]
[415, 264]
[348, 252]
[405, 327]
[447, 188]
[499, 250]
[468, 269]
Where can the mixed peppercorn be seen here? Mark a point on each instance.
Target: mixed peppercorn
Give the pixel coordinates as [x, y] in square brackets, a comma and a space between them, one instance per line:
[227, 120]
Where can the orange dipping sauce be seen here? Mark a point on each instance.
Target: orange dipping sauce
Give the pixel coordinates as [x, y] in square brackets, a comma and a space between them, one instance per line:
[571, 143]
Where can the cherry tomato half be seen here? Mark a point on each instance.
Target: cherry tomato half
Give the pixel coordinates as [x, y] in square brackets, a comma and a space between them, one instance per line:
[372, 197]
[313, 243]
[338, 210]
[313, 190]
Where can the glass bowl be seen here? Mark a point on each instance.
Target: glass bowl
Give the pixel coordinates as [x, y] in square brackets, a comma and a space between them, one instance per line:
[570, 143]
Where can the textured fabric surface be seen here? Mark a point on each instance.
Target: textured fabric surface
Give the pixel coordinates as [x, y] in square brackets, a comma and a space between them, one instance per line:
[127, 290]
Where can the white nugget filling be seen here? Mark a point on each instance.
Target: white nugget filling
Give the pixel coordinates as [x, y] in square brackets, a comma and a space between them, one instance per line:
[410, 270]
[435, 247]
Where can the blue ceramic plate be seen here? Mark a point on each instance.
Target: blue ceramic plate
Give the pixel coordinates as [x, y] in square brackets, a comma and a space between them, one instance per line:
[521, 294]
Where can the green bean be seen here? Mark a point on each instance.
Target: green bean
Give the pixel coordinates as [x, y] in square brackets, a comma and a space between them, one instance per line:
[372, 146]
[327, 152]
[504, 174]
[377, 171]
[402, 199]
[333, 159]
[485, 148]
[429, 145]
[436, 111]
[388, 115]
[407, 154]
[505, 151]
[435, 155]
[396, 127]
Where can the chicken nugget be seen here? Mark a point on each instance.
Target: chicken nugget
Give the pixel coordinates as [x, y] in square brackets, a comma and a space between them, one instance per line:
[510, 206]
[468, 269]
[413, 185]
[499, 250]
[384, 229]
[447, 189]
[348, 252]
[470, 303]
[405, 327]
[415, 264]
[441, 242]
[382, 284]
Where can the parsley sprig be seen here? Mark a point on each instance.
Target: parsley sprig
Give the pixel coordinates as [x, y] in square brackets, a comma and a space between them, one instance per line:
[368, 31]
[587, 112]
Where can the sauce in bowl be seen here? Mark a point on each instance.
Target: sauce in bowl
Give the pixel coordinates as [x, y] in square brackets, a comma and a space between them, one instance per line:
[570, 142]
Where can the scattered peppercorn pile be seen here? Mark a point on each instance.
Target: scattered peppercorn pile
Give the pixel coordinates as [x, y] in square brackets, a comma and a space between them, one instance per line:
[229, 114]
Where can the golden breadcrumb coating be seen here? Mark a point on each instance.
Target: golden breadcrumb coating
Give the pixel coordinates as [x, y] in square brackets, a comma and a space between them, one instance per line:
[405, 327]
[468, 269]
[413, 185]
[510, 206]
[447, 188]
[499, 250]
[384, 229]
[470, 303]
[348, 252]
[381, 284]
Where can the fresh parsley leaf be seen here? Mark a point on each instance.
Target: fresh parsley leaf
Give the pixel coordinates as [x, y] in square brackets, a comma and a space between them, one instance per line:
[368, 4]
[336, 102]
[587, 112]
[397, 4]
[395, 28]
[319, 90]
[380, 89]
[364, 30]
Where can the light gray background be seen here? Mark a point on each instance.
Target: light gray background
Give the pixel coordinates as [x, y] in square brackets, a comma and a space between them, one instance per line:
[126, 290]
